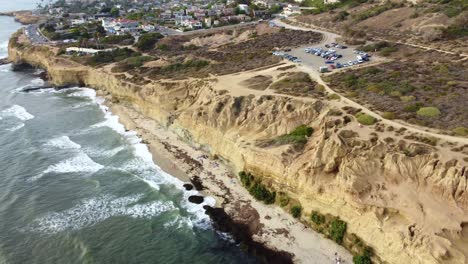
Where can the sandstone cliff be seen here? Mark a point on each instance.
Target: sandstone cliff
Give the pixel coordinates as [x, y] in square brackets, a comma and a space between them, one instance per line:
[401, 197]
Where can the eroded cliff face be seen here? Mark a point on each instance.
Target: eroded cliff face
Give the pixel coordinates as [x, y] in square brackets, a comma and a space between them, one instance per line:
[399, 197]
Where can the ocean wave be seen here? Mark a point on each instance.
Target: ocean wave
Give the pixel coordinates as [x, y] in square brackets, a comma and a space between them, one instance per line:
[142, 166]
[63, 142]
[19, 126]
[3, 49]
[98, 209]
[103, 153]
[16, 111]
[79, 163]
[84, 92]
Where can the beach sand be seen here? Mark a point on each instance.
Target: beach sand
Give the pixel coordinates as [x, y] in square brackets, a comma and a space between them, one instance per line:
[270, 224]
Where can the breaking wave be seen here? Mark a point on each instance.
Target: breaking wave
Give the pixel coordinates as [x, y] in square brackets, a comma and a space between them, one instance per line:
[16, 111]
[98, 209]
[62, 142]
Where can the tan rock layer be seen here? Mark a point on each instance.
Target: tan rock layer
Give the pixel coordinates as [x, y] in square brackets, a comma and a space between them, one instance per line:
[409, 209]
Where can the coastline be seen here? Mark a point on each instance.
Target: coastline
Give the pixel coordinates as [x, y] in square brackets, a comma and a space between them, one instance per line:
[268, 225]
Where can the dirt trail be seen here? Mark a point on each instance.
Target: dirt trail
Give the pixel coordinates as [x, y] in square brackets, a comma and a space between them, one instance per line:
[331, 37]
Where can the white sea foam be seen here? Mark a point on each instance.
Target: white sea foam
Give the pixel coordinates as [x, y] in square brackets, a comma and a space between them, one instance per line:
[37, 82]
[84, 92]
[19, 126]
[3, 49]
[5, 68]
[143, 167]
[79, 163]
[96, 210]
[103, 153]
[16, 111]
[62, 142]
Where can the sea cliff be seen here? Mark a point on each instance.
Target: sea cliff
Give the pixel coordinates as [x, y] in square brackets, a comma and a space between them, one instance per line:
[402, 198]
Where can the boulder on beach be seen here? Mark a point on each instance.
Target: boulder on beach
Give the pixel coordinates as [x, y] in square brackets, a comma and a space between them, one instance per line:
[188, 186]
[196, 199]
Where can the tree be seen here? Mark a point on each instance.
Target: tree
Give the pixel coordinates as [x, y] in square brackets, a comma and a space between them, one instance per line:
[147, 41]
[115, 12]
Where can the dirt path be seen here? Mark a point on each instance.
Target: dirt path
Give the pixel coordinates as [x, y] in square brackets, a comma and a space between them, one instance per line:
[331, 37]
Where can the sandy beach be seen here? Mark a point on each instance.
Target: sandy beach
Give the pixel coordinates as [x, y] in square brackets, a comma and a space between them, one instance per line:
[270, 224]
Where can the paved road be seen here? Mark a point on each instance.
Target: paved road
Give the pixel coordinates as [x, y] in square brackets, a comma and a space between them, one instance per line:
[331, 37]
[32, 32]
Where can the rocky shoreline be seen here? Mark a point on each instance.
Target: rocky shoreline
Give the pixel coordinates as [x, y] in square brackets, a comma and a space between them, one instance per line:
[236, 212]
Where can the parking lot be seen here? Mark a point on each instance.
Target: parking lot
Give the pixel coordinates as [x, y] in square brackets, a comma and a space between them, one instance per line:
[325, 59]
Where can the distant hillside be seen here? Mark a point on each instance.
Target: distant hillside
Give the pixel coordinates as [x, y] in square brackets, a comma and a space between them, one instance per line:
[442, 23]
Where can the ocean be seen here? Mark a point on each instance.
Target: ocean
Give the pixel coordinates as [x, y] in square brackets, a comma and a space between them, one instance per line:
[76, 187]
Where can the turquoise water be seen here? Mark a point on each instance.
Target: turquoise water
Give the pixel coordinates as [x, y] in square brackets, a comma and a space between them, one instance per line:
[75, 187]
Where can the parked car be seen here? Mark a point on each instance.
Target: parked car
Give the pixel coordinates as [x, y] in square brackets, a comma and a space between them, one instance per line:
[329, 62]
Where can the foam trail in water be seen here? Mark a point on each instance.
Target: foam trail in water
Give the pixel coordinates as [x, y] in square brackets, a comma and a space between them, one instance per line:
[16, 111]
[62, 142]
[15, 127]
[79, 163]
[96, 210]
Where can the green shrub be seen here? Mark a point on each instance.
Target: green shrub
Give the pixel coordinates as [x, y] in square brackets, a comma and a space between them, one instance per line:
[388, 115]
[260, 192]
[365, 119]
[298, 136]
[388, 50]
[117, 39]
[429, 112]
[246, 179]
[296, 211]
[147, 41]
[413, 107]
[362, 259]
[461, 131]
[337, 230]
[283, 199]
[407, 98]
[333, 96]
[317, 218]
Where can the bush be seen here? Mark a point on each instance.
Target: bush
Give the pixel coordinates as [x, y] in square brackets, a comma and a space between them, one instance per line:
[298, 136]
[407, 98]
[387, 50]
[317, 218]
[283, 199]
[429, 112]
[147, 41]
[296, 211]
[413, 107]
[260, 192]
[388, 115]
[461, 131]
[333, 96]
[117, 39]
[362, 259]
[365, 119]
[246, 179]
[337, 230]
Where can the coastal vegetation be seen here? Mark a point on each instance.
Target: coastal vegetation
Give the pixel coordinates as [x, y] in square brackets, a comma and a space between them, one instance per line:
[256, 188]
[115, 55]
[429, 94]
[296, 211]
[365, 119]
[148, 41]
[331, 226]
